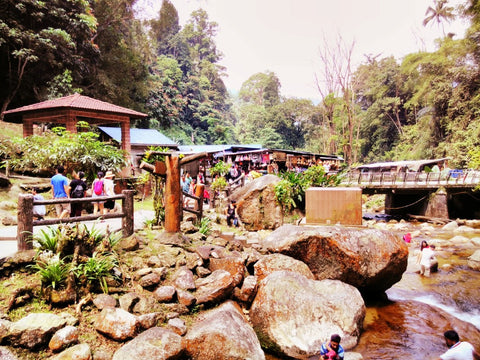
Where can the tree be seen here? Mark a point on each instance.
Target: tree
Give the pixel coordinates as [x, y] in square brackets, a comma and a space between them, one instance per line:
[261, 89]
[439, 12]
[165, 28]
[39, 40]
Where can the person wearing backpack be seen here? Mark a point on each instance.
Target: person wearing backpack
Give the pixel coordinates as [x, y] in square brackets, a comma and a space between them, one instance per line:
[77, 191]
[97, 190]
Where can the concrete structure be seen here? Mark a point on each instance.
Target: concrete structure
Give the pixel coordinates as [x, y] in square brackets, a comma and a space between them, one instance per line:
[333, 206]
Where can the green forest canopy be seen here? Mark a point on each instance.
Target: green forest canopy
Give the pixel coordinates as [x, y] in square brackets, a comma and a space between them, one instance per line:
[423, 106]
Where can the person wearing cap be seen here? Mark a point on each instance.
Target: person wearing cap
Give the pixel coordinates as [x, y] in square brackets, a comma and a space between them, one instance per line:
[109, 188]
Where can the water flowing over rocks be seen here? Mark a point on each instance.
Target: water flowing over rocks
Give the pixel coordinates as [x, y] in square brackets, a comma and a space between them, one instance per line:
[257, 207]
[223, 333]
[371, 260]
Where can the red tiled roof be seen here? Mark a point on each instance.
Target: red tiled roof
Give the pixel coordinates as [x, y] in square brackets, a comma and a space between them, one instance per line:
[77, 101]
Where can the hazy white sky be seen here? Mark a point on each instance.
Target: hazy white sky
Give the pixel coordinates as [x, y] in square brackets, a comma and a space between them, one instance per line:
[284, 36]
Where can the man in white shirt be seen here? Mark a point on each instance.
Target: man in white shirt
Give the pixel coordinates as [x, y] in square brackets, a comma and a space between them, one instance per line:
[458, 350]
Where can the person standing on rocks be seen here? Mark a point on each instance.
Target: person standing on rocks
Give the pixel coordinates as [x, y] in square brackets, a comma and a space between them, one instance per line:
[332, 350]
[425, 258]
[457, 350]
[60, 190]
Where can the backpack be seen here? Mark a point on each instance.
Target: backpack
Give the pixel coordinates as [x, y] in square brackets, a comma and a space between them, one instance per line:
[78, 191]
[98, 187]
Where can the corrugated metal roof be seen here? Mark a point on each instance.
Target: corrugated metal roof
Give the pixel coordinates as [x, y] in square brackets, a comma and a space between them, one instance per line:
[139, 136]
[77, 101]
[193, 149]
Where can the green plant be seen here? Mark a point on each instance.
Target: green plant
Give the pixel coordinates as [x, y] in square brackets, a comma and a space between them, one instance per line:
[97, 269]
[47, 239]
[219, 184]
[220, 168]
[53, 273]
[205, 227]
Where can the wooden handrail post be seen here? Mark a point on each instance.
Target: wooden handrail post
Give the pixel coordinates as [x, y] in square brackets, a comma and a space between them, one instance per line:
[25, 222]
[173, 195]
[128, 213]
[199, 205]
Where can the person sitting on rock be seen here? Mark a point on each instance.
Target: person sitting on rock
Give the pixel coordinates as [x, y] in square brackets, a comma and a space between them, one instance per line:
[332, 350]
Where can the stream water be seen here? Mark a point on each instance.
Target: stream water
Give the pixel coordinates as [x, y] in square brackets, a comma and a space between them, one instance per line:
[409, 321]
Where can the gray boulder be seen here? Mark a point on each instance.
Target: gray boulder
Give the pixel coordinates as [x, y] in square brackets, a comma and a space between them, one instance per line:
[371, 260]
[293, 315]
[223, 333]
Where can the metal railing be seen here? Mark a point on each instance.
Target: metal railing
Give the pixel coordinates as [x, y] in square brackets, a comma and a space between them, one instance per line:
[413, 179]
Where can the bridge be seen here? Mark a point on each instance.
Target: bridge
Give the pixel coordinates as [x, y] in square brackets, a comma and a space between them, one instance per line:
[435, 194]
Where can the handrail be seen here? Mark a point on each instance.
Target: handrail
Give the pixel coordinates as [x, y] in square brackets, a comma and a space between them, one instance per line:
[412, 178]
[26, 223]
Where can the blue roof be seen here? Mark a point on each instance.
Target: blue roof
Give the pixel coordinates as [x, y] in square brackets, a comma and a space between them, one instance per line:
[216, 148]
[138, 136]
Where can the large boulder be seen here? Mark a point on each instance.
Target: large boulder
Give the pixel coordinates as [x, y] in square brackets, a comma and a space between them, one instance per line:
[372, 260]
[223, 333]
[293, 315]
[257, 206]
[155, 343]
[276, 262]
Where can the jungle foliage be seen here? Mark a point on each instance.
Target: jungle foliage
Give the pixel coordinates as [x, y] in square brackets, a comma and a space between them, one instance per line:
[424, 105]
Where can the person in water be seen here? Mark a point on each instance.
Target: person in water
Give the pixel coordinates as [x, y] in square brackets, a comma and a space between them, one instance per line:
[425, 258]
[457, 350]
[332, 349]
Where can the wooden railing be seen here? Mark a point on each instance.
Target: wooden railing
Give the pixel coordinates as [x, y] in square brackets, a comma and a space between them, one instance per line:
[26, 202]
[470, 178]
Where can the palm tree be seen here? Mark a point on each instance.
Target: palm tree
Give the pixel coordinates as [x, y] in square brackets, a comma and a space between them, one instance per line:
[439, 12]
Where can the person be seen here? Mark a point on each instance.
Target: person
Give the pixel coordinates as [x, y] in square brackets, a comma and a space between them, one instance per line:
[457, 350]
[332, 349]
[78, 186]
[98, 190]
[407, 238]
[39, 211]
[425, 258]
[109, 188]
[60, 190]
[231, 212]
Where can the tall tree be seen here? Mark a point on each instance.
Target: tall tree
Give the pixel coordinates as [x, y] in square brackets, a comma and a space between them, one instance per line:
[438, 13]
[165, 28]
[39, 40]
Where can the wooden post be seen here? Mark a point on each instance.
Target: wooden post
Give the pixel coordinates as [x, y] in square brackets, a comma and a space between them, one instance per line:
[25, 222]
[199, 204]
[128, 213]
[173, 195]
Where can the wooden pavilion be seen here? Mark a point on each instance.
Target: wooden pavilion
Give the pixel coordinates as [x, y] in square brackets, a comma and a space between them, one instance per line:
[71, 109]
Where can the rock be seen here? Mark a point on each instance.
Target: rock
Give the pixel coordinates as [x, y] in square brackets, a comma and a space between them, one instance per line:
[147, 321]
[185, 298]
[184, 279]
[7, 205]
[4, 329]
[371, 260]
[293, 315]
[77, 352]
[474, 261]
[451, 226]
[459, 240]
[155, 343]
[9, 220]
[103, 301]
[188, 227]
[234, 265]
[464, 229]
[149, 280]
[475, 240]
[223, 333]
[248, 290]
[202, 272]
[214, 288]
[350, 355]
[172, 239]
[6, 354]
[177, 326]
[144, 305]
[274, 262]
[165, 293]
[63, 338]
[35, 329]
[128, 301]
[116, 323]
[154, 261]
[257, 206]
[129, 244]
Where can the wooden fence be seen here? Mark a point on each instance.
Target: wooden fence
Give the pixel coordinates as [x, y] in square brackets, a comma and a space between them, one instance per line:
[26, 202]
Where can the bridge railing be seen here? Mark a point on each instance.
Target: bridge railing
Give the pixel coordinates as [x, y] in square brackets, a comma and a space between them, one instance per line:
[412, 178]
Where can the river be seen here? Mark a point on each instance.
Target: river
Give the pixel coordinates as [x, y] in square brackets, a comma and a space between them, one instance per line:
[409, 320]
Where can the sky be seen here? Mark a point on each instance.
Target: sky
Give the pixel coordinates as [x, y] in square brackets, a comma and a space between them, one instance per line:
[286, 36]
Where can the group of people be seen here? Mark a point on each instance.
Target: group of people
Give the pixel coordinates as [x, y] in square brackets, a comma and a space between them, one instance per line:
[457, 350]
[77, 188]
[427, 259]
